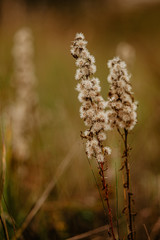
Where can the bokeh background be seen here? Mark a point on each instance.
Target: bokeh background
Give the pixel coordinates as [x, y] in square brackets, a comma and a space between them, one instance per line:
[74, 205]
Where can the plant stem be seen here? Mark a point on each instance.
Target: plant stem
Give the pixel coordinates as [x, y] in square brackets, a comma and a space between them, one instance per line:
[117, 206]
[105, 187]
[4, 226]
[127, 188]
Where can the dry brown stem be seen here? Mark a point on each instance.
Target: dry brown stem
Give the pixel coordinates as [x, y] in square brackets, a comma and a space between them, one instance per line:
[127, 186]
[128, 195]
[90, 233]
[105, 188]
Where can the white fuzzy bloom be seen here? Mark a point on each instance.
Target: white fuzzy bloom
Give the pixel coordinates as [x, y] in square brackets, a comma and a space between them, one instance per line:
[122, 106]
[107, 150]
[23, 110]
[92, 110]
[101, 136]
[100, 157]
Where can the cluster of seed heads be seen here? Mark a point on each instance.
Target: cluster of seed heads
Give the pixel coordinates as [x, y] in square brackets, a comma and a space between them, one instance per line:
[122, 108]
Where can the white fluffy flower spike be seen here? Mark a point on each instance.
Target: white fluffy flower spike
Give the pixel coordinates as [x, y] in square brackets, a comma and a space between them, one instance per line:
[122, 113]
[92, 109]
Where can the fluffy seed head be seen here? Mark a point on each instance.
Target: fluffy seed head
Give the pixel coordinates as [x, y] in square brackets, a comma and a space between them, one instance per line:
[121, 102]
[92, 110]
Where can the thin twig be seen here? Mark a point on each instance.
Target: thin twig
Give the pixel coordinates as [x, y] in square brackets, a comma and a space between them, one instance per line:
[3, 165]
[146, 230]
[4, 226]
[11, 217]
[120, 134]
[60, 170]
[104, 208]
[90, 233]
[97, 187]
[3, 170]
[117, 206]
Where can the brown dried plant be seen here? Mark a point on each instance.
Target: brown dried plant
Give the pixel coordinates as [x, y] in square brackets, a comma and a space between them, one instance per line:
[121, 114]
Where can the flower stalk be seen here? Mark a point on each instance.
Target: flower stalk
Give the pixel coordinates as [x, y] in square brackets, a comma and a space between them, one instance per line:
[92, 111]
[122, 115]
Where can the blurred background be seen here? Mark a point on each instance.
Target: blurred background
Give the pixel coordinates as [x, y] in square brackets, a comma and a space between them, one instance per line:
[128, 28]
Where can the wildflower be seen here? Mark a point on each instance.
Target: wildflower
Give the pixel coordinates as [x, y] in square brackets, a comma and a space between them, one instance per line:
[92, 109]
[122, 113]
